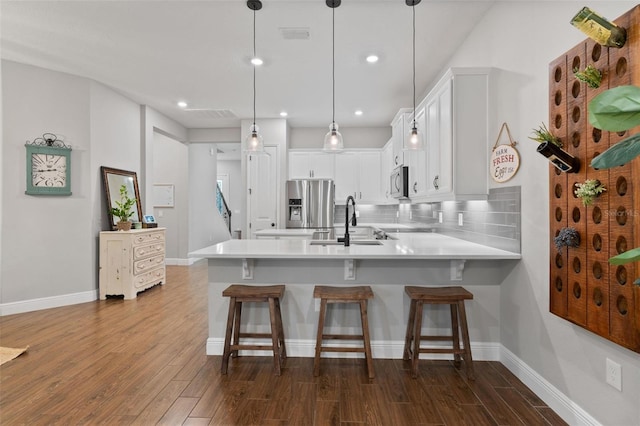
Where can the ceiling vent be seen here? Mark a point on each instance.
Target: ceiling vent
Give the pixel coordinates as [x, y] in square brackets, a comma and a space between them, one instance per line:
[214, 114]
[300, 33]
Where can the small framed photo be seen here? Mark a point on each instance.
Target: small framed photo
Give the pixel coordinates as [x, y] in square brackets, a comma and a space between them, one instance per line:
[149, 218]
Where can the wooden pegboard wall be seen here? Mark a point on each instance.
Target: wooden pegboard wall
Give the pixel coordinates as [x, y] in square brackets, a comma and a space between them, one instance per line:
[584, 288]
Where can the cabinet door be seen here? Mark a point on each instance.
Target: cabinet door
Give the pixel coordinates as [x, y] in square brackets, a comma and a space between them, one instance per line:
[397, 135]
[346, 176]
[369, 177]
[439, 141]
[322, 165]
[418, 159]
[299, 165]
[386, 158]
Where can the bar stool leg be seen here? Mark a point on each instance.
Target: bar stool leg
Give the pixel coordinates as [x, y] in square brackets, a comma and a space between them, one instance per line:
[282, 347]
[465, 338]
[364, 319]
[455, 335]
[236, 327]
[227, 338]
[406, 354]
[416, 339]
[316, 361]
[274, 336]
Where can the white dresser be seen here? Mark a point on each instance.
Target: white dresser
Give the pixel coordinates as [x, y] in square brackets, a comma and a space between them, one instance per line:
[131, 261]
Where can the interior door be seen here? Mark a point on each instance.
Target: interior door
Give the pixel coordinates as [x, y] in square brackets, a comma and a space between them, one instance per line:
[263, 193]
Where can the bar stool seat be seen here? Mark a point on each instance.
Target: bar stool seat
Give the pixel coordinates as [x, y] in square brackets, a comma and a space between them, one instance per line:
[240, 294]
[330, 294]
[452, 296]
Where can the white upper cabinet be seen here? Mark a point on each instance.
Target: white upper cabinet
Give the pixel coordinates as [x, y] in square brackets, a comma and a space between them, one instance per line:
[311, 165]
[399, 129]
[417, 160]
[457, 118]
[386, 160]
[358, 173]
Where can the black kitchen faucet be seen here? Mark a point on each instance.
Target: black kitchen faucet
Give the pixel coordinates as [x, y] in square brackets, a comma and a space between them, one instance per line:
[354, 222]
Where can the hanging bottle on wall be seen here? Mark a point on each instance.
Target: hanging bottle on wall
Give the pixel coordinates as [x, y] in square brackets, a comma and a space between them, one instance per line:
[599, 29]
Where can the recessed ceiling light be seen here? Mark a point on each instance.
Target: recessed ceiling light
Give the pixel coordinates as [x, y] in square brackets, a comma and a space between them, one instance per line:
[182, 104]
[257, 61]
[372, 59]
[358, 112]
[284, 114]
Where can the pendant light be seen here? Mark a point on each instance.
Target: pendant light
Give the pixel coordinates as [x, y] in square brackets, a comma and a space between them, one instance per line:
[254, 142]
[414, 140]
[333, 139]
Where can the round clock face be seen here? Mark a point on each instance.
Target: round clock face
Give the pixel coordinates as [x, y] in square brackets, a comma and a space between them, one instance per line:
[48, 170]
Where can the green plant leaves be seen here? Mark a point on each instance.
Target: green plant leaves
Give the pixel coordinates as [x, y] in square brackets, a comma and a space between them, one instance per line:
[616, 109]
[618, 154]
[628, 256]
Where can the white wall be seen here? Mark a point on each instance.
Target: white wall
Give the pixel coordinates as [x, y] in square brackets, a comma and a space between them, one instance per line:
[206, 226]
[49, 244]
[170, 165]
[232, 168]
[46, 250]
[521, 39]
[354, 137]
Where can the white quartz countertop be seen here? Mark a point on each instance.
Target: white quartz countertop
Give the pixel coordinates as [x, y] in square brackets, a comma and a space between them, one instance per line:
[407, 246]
[294, 232]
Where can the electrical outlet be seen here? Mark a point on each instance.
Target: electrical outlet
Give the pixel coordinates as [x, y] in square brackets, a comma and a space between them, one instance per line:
[460, 219]
[316, 305]
[439, 217]
[614, 374]
[357, 213]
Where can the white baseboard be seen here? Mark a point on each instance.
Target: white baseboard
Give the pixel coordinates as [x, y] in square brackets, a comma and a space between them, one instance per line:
[570, 412]
[47, 302]
[482, 351]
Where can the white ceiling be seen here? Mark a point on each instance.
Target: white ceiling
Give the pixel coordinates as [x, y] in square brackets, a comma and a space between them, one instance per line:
[160, 52]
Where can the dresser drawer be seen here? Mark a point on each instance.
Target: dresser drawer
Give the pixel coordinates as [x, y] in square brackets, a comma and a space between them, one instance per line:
[142, 266]
[141, 252]
[155, 276]
[148, 238]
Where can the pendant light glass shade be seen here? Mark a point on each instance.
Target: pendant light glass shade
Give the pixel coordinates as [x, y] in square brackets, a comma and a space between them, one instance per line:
[414, 142]
[333, 139]
[254, 142]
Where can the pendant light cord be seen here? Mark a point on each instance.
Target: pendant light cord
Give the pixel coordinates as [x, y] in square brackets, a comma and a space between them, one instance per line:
[254, 69]
[413, 9]
[333, 63]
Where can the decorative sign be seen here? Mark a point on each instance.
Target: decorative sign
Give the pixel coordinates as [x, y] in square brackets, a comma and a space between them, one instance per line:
[505, 159]
[162, 195]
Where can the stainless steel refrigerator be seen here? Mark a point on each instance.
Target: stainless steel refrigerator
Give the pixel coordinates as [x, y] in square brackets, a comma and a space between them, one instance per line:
[310, 205]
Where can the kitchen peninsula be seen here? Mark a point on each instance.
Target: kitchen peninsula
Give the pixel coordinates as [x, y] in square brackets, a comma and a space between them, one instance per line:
[387, 265]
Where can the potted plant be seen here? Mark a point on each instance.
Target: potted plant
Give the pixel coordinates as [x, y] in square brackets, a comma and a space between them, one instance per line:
[590, 75]
[123, 209]
[542, 134]
[589, 190]
[618, 110]
[567, 237]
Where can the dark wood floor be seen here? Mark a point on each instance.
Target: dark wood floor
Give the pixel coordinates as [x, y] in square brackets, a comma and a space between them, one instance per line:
[143, 362]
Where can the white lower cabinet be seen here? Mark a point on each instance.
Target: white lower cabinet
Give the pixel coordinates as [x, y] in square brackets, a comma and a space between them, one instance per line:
[131, 261]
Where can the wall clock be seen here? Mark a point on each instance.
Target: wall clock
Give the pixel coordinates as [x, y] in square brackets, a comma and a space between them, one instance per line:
[48, 166]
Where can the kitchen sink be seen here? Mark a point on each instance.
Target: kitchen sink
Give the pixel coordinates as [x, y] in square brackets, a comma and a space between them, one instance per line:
[352, 242]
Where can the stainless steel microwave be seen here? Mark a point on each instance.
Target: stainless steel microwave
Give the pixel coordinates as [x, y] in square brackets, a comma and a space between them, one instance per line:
[399, 184]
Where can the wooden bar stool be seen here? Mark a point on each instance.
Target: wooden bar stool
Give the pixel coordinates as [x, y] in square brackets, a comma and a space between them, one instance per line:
[452, 296]
[239, 294]
[359, 295]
